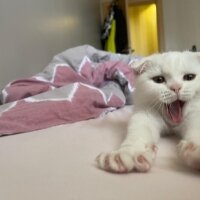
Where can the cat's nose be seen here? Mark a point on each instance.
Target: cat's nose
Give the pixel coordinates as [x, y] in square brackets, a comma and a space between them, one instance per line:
[175, 87]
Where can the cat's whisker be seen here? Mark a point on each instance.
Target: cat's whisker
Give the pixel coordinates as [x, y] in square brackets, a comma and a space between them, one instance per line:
[163, 108]
[154, 105]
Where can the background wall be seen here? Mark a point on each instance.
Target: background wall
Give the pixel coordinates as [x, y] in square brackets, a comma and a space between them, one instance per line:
[181, 24]
[33, 31]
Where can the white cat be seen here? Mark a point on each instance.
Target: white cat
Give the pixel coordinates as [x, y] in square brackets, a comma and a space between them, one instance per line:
[166, 99]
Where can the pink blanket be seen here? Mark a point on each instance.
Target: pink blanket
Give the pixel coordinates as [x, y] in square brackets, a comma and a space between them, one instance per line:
[79, 84]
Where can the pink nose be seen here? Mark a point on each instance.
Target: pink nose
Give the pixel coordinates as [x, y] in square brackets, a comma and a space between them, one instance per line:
[175, 87]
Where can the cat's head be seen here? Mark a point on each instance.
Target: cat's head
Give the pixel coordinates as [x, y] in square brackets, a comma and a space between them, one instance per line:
[167, 81]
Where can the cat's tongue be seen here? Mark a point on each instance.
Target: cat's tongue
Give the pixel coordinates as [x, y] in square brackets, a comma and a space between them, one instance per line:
[174, 111]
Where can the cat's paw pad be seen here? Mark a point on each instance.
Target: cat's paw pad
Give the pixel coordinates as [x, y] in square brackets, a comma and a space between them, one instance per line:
[119, 162]
[143, 162]
[123, 161]
[190, 153]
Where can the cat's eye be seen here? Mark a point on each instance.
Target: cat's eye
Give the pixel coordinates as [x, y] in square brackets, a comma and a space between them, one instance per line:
[189, 77]
[158, 79]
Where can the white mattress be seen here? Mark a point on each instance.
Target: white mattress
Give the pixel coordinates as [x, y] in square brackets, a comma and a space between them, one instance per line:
[58, 164]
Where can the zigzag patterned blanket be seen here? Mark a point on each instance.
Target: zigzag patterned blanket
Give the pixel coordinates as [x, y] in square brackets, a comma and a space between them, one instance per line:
[79, 84]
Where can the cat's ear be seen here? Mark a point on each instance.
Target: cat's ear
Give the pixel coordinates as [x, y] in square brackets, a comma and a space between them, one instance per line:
[140, 66]
[197, 54]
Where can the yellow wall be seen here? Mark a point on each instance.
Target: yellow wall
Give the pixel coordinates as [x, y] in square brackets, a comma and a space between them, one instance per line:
[143, 29]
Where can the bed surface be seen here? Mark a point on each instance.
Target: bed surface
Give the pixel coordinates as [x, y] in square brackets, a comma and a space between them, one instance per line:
[58, 163]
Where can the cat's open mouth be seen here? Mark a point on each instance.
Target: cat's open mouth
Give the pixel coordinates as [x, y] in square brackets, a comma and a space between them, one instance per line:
[174, 111]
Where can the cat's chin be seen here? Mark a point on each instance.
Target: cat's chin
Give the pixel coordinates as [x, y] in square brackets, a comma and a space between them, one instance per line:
[174, 111]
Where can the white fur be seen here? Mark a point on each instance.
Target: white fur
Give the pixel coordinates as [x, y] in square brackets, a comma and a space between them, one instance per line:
[148, 122]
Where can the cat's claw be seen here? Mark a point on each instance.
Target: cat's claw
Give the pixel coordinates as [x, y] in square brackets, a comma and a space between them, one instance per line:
[190, 153]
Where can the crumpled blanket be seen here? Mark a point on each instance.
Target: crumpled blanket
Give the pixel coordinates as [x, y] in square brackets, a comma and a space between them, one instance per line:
[80, 83]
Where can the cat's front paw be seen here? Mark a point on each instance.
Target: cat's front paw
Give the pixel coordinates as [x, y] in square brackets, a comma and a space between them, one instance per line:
[123, 161]
[190, 153]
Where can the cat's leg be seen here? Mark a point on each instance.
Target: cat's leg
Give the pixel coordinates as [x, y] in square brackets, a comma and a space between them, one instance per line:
[189, 146]
[138, 150]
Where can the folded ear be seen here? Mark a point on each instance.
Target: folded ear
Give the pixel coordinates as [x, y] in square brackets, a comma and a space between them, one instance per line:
[140, 66]
[197, 54]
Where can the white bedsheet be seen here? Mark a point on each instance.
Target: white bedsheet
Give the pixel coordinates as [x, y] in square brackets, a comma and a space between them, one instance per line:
[58, 164]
